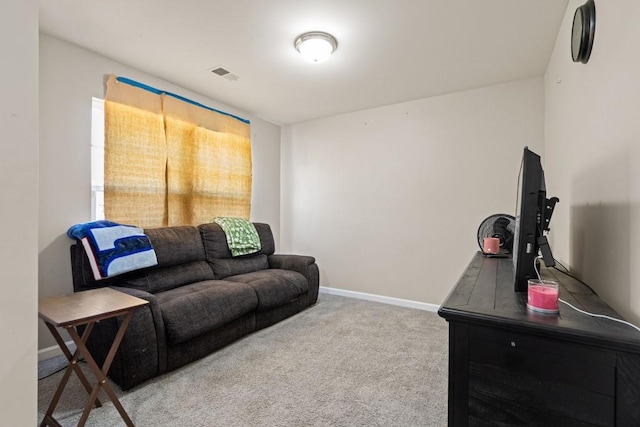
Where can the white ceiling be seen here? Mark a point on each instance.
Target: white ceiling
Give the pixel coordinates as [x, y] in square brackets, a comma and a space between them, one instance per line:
[389, 51]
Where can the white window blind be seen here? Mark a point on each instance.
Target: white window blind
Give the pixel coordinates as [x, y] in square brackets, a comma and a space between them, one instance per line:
[97, 159]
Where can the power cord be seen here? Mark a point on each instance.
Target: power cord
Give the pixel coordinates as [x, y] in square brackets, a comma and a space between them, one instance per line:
[566, 272]
[602, 316]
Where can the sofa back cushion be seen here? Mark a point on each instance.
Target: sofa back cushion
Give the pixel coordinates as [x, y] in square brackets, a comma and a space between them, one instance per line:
[225, 267]
[161, 279]
[176, 245]
[181, 260]
[218, 255]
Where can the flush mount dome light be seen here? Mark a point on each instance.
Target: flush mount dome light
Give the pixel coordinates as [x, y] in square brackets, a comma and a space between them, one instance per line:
[316, 46]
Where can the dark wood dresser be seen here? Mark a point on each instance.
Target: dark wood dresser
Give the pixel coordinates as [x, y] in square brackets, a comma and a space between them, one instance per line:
[512, 367]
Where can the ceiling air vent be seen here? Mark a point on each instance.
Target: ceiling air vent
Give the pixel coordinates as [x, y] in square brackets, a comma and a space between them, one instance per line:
[223, 72]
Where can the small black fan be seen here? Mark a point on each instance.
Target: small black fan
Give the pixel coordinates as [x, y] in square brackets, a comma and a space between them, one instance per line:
[501, 226]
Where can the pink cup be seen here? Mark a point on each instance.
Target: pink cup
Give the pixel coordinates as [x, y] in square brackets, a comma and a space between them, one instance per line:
[491, 245]
[542, 295]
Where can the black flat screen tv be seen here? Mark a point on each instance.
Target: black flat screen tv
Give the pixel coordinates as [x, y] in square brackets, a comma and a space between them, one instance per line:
[533, 215]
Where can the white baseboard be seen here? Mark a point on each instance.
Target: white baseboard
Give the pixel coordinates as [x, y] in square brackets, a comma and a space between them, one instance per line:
[380, 298]
[53, 351]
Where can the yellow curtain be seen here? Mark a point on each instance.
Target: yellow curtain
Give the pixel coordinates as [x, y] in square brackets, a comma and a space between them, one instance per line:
[135, 190]
[169, 162]
[209, 164]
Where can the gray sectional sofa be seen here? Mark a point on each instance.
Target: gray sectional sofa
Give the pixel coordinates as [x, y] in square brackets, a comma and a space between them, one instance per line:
[200, 298]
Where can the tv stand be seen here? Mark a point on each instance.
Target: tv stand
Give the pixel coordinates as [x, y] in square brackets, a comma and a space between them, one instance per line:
[512, 367]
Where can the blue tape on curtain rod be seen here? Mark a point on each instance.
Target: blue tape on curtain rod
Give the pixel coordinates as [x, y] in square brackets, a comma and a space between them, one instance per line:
[181, 98]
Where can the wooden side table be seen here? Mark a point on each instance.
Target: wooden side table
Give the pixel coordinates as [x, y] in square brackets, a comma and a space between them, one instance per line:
[87, 308]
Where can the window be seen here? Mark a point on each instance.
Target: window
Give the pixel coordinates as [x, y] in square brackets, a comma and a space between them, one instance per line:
[97, 159]
[159, 159]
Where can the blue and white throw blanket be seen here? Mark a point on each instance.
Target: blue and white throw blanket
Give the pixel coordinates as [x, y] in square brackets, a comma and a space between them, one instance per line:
[113, 248]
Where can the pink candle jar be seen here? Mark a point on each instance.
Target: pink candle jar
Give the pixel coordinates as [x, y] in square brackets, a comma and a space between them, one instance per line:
[491, 245]
[542, 296]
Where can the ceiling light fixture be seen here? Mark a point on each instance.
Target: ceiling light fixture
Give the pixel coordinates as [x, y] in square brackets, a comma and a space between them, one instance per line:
[316, 46]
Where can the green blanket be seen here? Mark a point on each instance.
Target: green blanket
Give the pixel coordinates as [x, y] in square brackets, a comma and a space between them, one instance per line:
[242, 236]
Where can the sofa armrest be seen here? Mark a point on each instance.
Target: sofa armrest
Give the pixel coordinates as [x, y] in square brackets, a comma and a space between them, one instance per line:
[143, 351]
[305, 265]
[139, 293]
[299, 263]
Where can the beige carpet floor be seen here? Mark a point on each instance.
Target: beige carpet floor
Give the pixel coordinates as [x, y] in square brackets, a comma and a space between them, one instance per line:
[342, 362]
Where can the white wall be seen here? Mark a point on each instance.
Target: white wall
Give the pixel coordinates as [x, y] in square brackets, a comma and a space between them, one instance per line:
[389, 199]
[69, 77]
[19, 211]
[592, 145]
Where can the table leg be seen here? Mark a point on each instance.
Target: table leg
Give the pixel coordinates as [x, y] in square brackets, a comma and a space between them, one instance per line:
[73, 359]
[72, 367]
[101, 373]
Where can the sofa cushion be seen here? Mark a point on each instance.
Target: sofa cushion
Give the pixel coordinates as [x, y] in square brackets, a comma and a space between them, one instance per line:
[173, 246]
[162, 279]
[215, 241]
[192, 310]
[176, 245]
[274, 287]
[225, 267]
